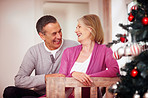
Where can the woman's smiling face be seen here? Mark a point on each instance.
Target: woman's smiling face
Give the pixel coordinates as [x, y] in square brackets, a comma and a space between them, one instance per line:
[82, 31]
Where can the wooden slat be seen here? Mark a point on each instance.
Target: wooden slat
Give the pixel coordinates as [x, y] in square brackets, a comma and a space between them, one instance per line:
[77, 92]
[98, 81]
[93, 92]
[55, 86]
[50, 88]
[61, 87]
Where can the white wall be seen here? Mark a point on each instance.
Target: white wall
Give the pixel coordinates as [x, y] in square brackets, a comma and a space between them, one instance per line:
[119, 15]
[17, 29]
[67, 15]
[18, 33]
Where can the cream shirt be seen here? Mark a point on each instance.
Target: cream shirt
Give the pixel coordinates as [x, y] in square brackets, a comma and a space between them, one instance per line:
[81, 67]
[53, 52]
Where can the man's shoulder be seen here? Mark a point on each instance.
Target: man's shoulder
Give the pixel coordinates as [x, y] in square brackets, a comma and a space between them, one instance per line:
[70, 43]
[74, 48]
[37, 46]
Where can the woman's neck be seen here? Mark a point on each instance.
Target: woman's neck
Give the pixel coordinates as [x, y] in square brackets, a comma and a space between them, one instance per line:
[88, 46]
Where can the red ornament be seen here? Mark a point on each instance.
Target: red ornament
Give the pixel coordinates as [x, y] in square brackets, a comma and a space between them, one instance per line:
[116, 55]
[123, 39]
[135, 49]
[145, 21]
[119, 53]
[134, 7]
[134, 73]
[131, 18]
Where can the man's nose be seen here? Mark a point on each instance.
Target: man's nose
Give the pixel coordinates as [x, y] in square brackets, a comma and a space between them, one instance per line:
[58, 35]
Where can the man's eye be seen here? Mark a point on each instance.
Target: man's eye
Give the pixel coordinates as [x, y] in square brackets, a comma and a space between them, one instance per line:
[54, 33]
[60, 31]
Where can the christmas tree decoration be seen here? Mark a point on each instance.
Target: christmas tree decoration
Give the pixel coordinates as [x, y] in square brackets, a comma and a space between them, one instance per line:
[136, 95]
[123, 39]
[119, 53]
[114, 86]
[145, 95]
[145, 21]
[116, 55]
[135, 79]
[135, 49]
[134, 72]
[134, 83]
[144, 46]
[127, 51]
[130, 17]
[134, 7]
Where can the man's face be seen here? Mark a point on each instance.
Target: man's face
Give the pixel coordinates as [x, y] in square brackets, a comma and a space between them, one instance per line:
[52, 36]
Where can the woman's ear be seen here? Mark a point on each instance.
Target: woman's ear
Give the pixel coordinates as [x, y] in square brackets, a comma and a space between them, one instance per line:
[42, 36]
[90, 29]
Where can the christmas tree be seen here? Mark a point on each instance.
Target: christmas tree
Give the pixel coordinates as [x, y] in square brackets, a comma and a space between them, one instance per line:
[134, 82]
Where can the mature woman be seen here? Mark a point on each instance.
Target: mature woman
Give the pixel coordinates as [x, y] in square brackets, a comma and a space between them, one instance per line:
[91, 58]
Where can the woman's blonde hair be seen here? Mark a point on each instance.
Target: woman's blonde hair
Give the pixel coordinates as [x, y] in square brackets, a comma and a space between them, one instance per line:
[93, 22]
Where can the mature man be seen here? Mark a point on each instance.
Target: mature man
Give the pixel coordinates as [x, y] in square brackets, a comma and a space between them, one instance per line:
[44, 58]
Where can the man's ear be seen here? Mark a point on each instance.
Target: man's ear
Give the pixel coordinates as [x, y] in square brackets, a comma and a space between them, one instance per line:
[42, 36]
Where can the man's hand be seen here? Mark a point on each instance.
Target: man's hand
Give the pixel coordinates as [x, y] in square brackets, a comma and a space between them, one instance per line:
[82, 77]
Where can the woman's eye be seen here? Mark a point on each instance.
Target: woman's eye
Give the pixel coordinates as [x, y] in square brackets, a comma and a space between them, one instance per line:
[78, 26]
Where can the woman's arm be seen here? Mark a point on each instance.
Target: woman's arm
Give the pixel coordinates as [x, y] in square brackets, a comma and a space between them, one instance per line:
[82, 77]
[64, 63]
[110, 63]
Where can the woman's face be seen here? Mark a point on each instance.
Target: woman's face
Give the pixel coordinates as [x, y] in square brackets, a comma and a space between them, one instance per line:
[83, 32]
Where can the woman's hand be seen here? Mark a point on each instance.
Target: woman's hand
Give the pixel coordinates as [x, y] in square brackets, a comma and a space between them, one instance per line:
[82, 77]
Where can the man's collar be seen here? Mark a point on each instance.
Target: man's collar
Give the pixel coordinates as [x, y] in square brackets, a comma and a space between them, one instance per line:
[53, 50]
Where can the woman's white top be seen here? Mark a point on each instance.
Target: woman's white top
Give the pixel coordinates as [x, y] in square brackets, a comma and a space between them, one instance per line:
[81, 67]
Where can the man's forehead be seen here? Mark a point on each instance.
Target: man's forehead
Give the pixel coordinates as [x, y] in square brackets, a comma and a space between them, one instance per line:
[52, 27]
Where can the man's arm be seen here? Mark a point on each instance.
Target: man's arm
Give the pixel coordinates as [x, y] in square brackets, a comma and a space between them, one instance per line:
[23, 78]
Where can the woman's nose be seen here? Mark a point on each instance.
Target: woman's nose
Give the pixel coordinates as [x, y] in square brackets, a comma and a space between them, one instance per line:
[76, 30]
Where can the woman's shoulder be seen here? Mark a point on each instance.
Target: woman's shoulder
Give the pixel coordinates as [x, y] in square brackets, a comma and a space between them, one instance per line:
[103, 47]
[73, 50]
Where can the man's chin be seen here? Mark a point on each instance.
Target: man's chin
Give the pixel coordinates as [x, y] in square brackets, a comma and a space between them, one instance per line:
[58, 45]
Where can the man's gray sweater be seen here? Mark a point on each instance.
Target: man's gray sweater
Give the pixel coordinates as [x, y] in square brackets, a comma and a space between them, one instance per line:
[38, 58]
